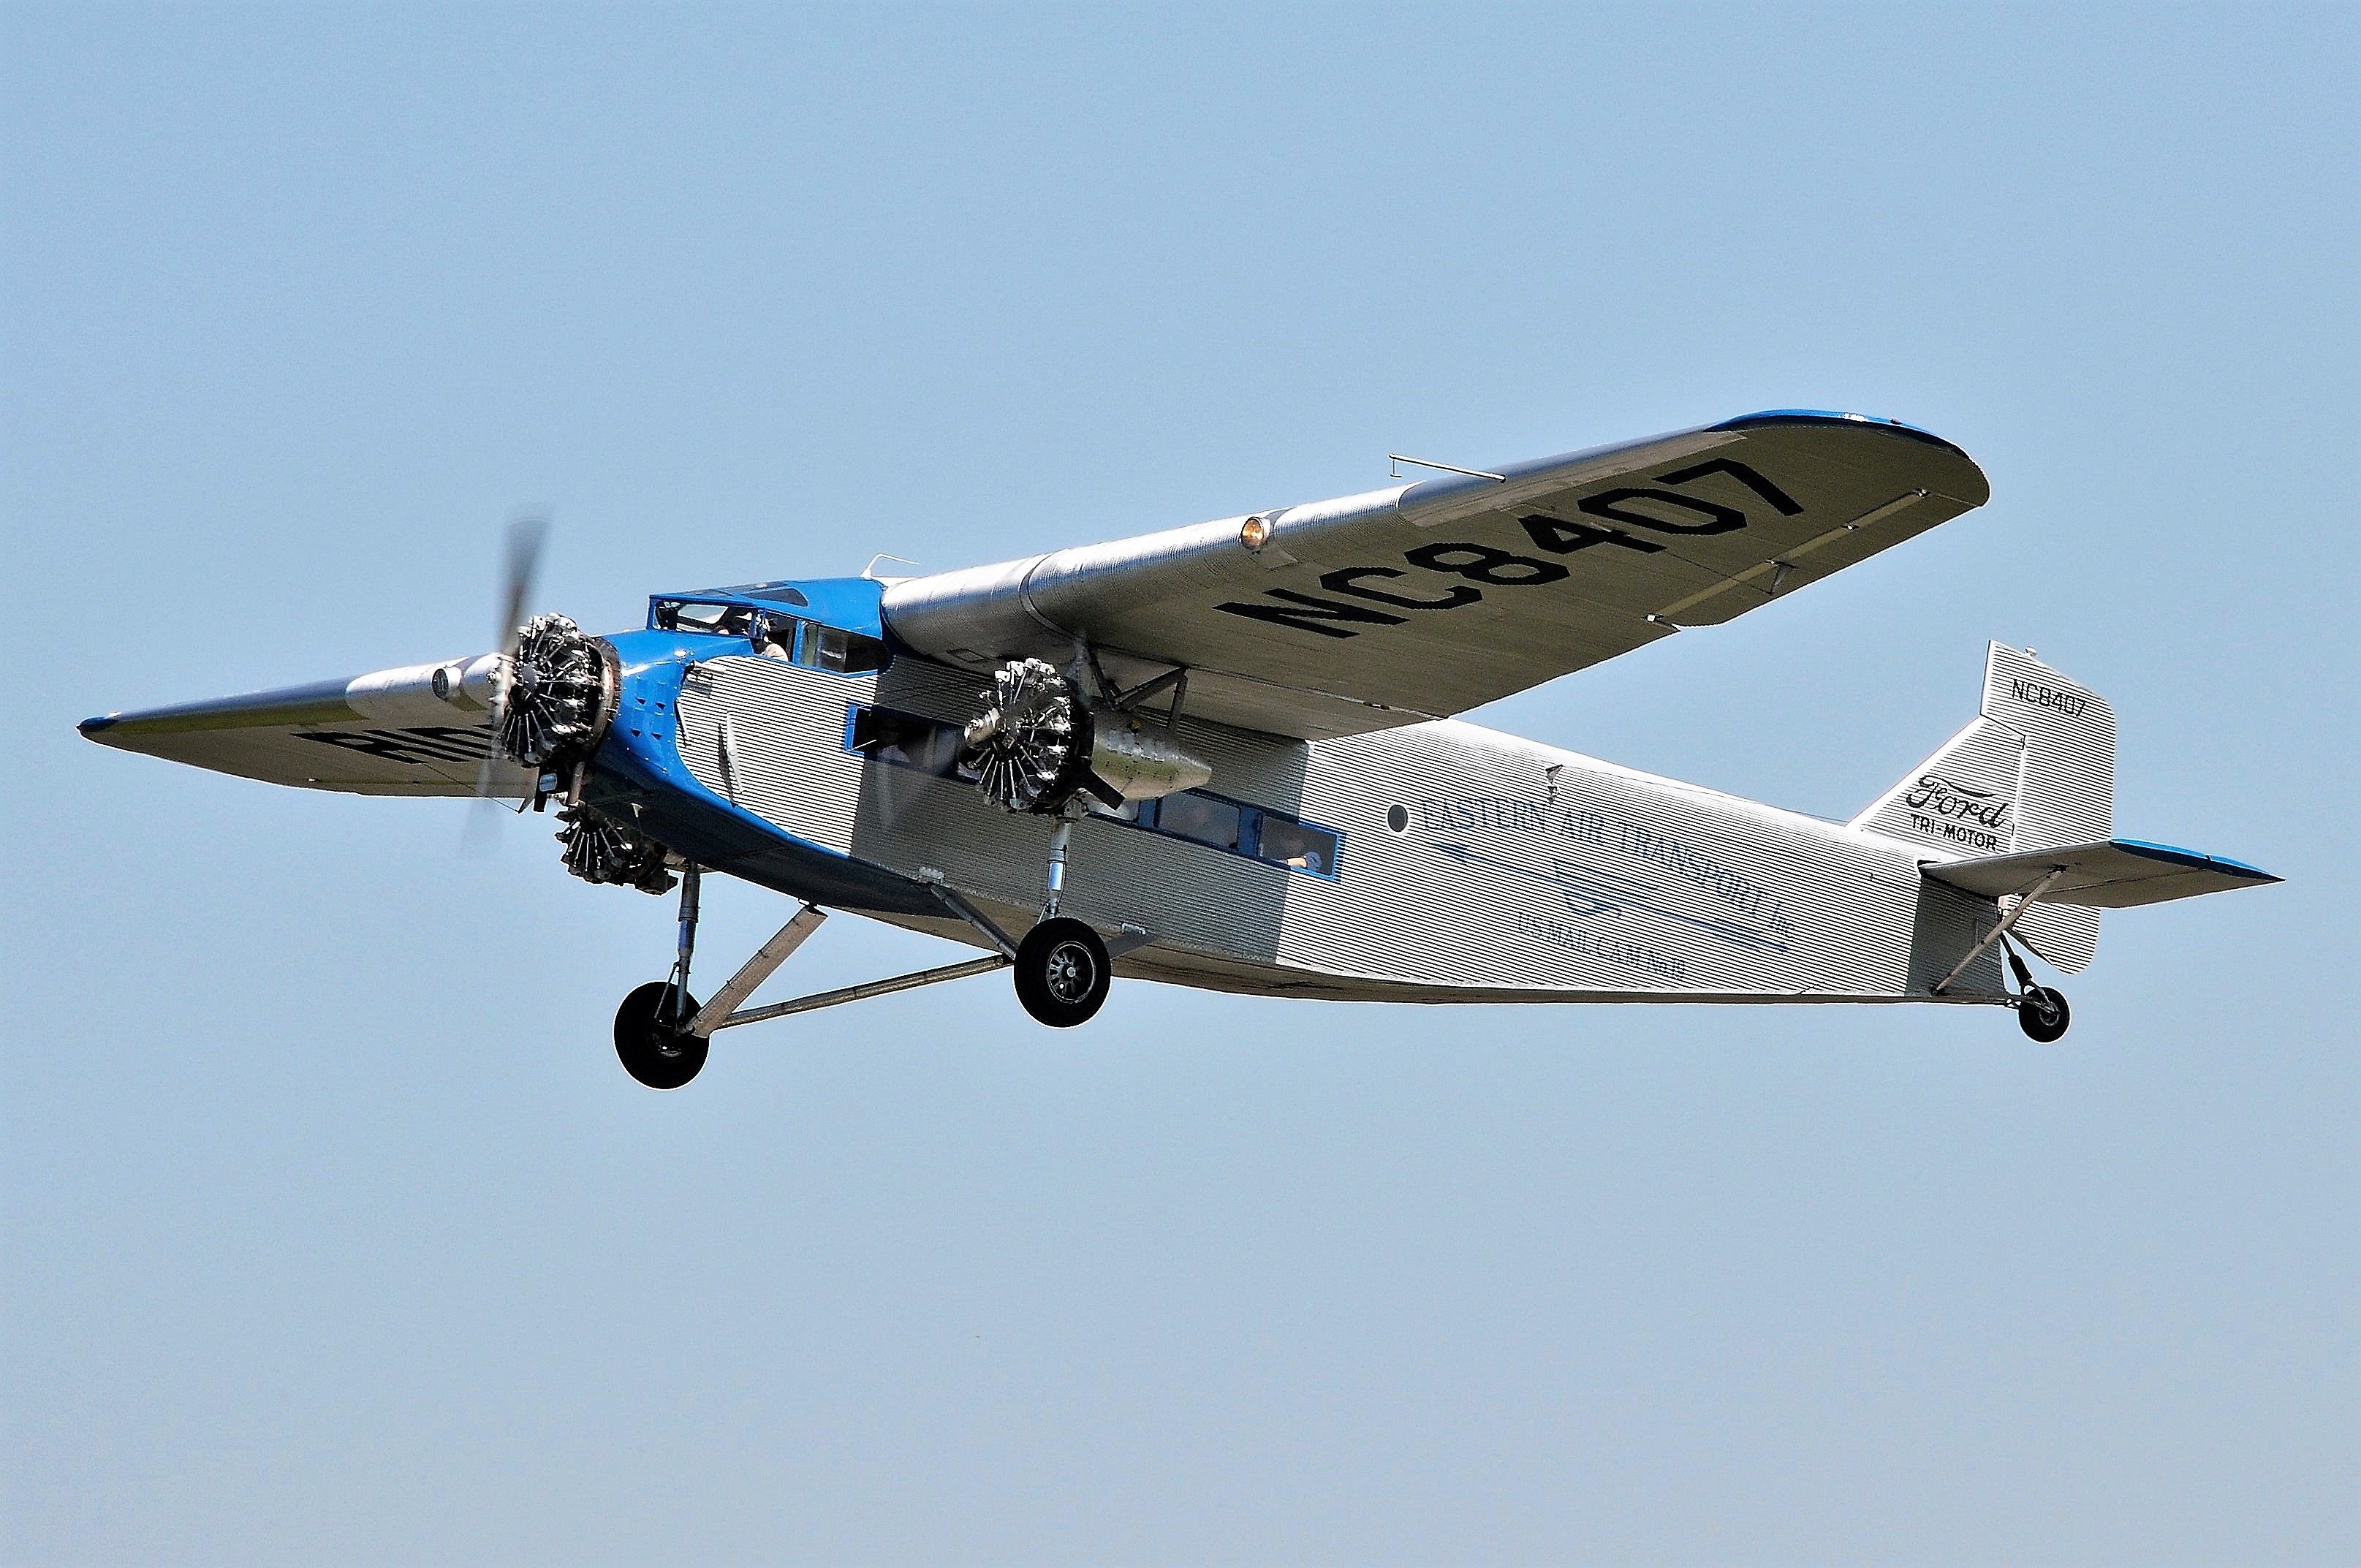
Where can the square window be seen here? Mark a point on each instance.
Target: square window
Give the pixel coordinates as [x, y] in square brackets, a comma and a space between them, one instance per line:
[1201, 817]
[1298, 844]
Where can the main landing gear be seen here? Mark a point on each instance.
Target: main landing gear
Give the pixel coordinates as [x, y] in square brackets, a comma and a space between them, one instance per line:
[1061, 972]
[1061, 968]
[651, 1039]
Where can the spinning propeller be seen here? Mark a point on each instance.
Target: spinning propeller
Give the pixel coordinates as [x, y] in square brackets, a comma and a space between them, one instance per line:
[527, 533]
[554, 690]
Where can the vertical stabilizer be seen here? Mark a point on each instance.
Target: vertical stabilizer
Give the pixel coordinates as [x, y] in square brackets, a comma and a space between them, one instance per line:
[2035, 770]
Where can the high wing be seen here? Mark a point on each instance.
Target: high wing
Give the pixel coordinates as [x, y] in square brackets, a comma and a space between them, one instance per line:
[387, 733]
[1426, 599]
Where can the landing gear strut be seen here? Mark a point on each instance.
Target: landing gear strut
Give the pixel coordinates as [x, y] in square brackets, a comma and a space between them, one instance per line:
[654, 1038]
[1062, 965]
[2041, 1012]
[662, 1032]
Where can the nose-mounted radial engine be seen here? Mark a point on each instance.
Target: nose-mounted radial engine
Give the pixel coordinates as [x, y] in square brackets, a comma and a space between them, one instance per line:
[559, 696]
[556, 695]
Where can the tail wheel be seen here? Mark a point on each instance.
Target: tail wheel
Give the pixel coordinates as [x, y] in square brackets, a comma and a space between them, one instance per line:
[2043, 1014]
[651, 1037]
[1062, 972]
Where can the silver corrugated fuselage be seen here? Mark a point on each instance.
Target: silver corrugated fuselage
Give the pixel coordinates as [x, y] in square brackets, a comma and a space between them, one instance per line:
[1517, 873]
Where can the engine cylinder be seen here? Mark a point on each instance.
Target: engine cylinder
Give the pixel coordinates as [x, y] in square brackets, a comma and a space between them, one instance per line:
[562, 688]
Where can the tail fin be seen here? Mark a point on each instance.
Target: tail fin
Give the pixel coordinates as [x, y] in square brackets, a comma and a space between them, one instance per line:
[2035, 771]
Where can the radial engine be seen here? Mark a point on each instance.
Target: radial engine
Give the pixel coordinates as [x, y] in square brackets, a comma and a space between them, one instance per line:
[562, 690]
[1039, 746]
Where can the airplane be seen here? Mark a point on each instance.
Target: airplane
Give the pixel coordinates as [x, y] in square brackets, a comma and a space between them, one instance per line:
[1224, 756]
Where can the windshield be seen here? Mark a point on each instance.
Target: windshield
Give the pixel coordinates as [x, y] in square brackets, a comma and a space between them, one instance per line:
[688, 615]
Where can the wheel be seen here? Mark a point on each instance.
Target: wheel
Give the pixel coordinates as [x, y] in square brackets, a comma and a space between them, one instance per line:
[650, 1039]
[1061, 972]
[2043, 1014]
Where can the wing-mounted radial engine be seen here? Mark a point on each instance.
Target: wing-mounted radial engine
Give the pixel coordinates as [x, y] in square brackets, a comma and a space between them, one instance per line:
[1030, 747]
[1039, 746]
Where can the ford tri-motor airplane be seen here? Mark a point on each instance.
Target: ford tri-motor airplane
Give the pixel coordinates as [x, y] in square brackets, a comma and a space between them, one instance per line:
[1221, 756]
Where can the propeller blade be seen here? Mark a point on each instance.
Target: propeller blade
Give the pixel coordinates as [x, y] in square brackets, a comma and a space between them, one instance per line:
[528, 531]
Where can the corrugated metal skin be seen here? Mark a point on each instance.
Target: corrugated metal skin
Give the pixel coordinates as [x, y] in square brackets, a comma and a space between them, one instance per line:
[2068, 793]
[1506, 881]
[787, 742]
[1817, 493]
[1986, 759]
[1611, 881]
[2046, 745]
[2069, 763]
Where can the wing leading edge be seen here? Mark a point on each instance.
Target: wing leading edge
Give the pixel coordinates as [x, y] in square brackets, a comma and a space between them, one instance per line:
[1427, 599]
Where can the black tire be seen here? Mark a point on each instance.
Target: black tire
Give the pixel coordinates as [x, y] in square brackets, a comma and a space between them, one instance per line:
[1062, 972]
[649, 1040]
[2043, 1014]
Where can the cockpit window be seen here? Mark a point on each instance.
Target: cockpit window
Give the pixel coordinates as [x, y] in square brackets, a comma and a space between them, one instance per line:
[687, 615]
[775, 635]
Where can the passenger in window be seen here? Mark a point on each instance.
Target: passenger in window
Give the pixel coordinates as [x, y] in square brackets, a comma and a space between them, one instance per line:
[1293, 844]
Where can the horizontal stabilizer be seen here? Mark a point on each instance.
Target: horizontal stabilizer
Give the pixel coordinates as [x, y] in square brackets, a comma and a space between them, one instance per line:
[2114, 873]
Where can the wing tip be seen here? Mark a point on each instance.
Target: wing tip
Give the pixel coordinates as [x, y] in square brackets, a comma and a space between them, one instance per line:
[2196, 861]
[91, 727]
[1978, 493]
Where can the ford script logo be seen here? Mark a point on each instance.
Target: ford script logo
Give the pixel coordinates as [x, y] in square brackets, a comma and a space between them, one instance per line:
[1940, 797]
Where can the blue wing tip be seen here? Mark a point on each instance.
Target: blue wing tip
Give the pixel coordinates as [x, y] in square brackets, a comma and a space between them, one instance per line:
[93, 726]
[2191, 858]
[1836, 416]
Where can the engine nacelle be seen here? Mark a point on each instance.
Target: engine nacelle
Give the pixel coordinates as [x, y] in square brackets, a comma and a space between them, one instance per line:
[1141, 762]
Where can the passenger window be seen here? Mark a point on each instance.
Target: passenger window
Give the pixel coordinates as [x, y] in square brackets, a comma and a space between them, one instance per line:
[846, 652]
[1295, 844]
[907, 741]
[1201, 817]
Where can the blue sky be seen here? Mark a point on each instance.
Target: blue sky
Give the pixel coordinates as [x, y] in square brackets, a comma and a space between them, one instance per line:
[333, 1231]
